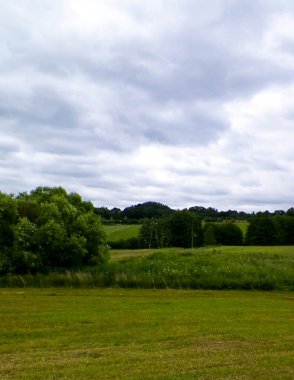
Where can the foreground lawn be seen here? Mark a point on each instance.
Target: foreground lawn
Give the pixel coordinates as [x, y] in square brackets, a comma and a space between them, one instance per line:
[145, 334]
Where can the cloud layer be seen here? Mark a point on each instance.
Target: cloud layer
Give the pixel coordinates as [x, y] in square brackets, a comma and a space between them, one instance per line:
[183, 102]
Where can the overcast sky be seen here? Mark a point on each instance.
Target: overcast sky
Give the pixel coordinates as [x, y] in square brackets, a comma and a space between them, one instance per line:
[184, 102]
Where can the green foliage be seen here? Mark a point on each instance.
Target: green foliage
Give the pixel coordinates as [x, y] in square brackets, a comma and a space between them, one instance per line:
[180, 229]
[286, 223]
[183, 229]
[225, 233]
[25, 256]
[265, 230]
[146, 210]
[152, 233]
[209, 235]
[8, 216]
[113, 215]
[46, 229]
[261, 231]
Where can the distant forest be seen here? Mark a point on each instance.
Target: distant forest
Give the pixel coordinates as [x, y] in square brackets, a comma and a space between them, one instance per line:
[135, 214]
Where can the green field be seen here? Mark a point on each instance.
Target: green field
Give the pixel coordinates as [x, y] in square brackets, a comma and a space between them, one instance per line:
[145, 334]
[121, 231]
[264, 268]
[127, 231]
[243, 227]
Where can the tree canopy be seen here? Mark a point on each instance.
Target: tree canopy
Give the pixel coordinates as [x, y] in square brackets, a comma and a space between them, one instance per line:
[180, 229]
[222, 233]
[48, 228]
[271, 230]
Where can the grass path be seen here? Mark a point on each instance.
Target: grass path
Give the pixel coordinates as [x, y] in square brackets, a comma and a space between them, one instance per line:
[145, 334]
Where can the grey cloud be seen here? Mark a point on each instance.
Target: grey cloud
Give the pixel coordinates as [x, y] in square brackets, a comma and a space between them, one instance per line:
[8, 147]
[77, 104]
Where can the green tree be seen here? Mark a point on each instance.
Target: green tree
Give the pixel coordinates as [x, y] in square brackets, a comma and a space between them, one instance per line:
[264, 230]
[286, 223]
[228, 234]
[150, 234]
[183, 229]
[8, 218]
[25, 254]
[208, 235]
[49, 228]
[89, 225]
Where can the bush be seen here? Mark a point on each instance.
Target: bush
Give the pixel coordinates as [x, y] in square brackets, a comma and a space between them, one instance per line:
[46, 229]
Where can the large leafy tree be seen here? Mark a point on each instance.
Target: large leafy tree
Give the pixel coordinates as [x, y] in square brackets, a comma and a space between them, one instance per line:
[180, 229]
[264, 230]
[8, 217]
[183, 229]
[271, 230]
[287, 225]
[49, 228]
[227, 234]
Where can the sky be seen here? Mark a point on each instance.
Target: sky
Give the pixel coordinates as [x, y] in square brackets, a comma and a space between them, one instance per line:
[183, 102]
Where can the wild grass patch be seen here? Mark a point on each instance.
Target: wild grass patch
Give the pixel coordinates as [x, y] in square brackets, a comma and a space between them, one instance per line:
[264, 268]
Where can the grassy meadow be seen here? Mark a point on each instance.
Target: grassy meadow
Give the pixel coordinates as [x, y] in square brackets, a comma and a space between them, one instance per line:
[243, 227]
[121, 231]
[263, 268]
[145, 334]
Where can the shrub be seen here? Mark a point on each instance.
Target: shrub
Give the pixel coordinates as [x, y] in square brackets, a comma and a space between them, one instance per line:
[46, 229]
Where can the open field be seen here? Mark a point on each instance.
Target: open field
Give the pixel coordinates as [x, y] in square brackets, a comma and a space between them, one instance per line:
[251, 267]
[264, 268]
[145, 334]
[122, 231]
[243, 227]
[127, 231]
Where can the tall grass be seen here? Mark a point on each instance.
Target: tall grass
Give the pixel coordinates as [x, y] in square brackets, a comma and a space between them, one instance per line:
[267, 268]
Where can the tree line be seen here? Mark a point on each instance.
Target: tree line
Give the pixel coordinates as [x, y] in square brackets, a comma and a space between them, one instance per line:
[185, 229]
[182, 229]
[136, 213]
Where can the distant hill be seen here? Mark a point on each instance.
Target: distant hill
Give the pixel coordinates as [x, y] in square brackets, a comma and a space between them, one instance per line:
[146, 210]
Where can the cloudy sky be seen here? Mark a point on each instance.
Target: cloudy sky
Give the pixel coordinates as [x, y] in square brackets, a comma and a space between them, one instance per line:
[184, 102]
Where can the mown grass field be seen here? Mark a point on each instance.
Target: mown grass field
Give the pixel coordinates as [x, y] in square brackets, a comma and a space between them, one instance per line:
[145, 334]
[121, 231]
